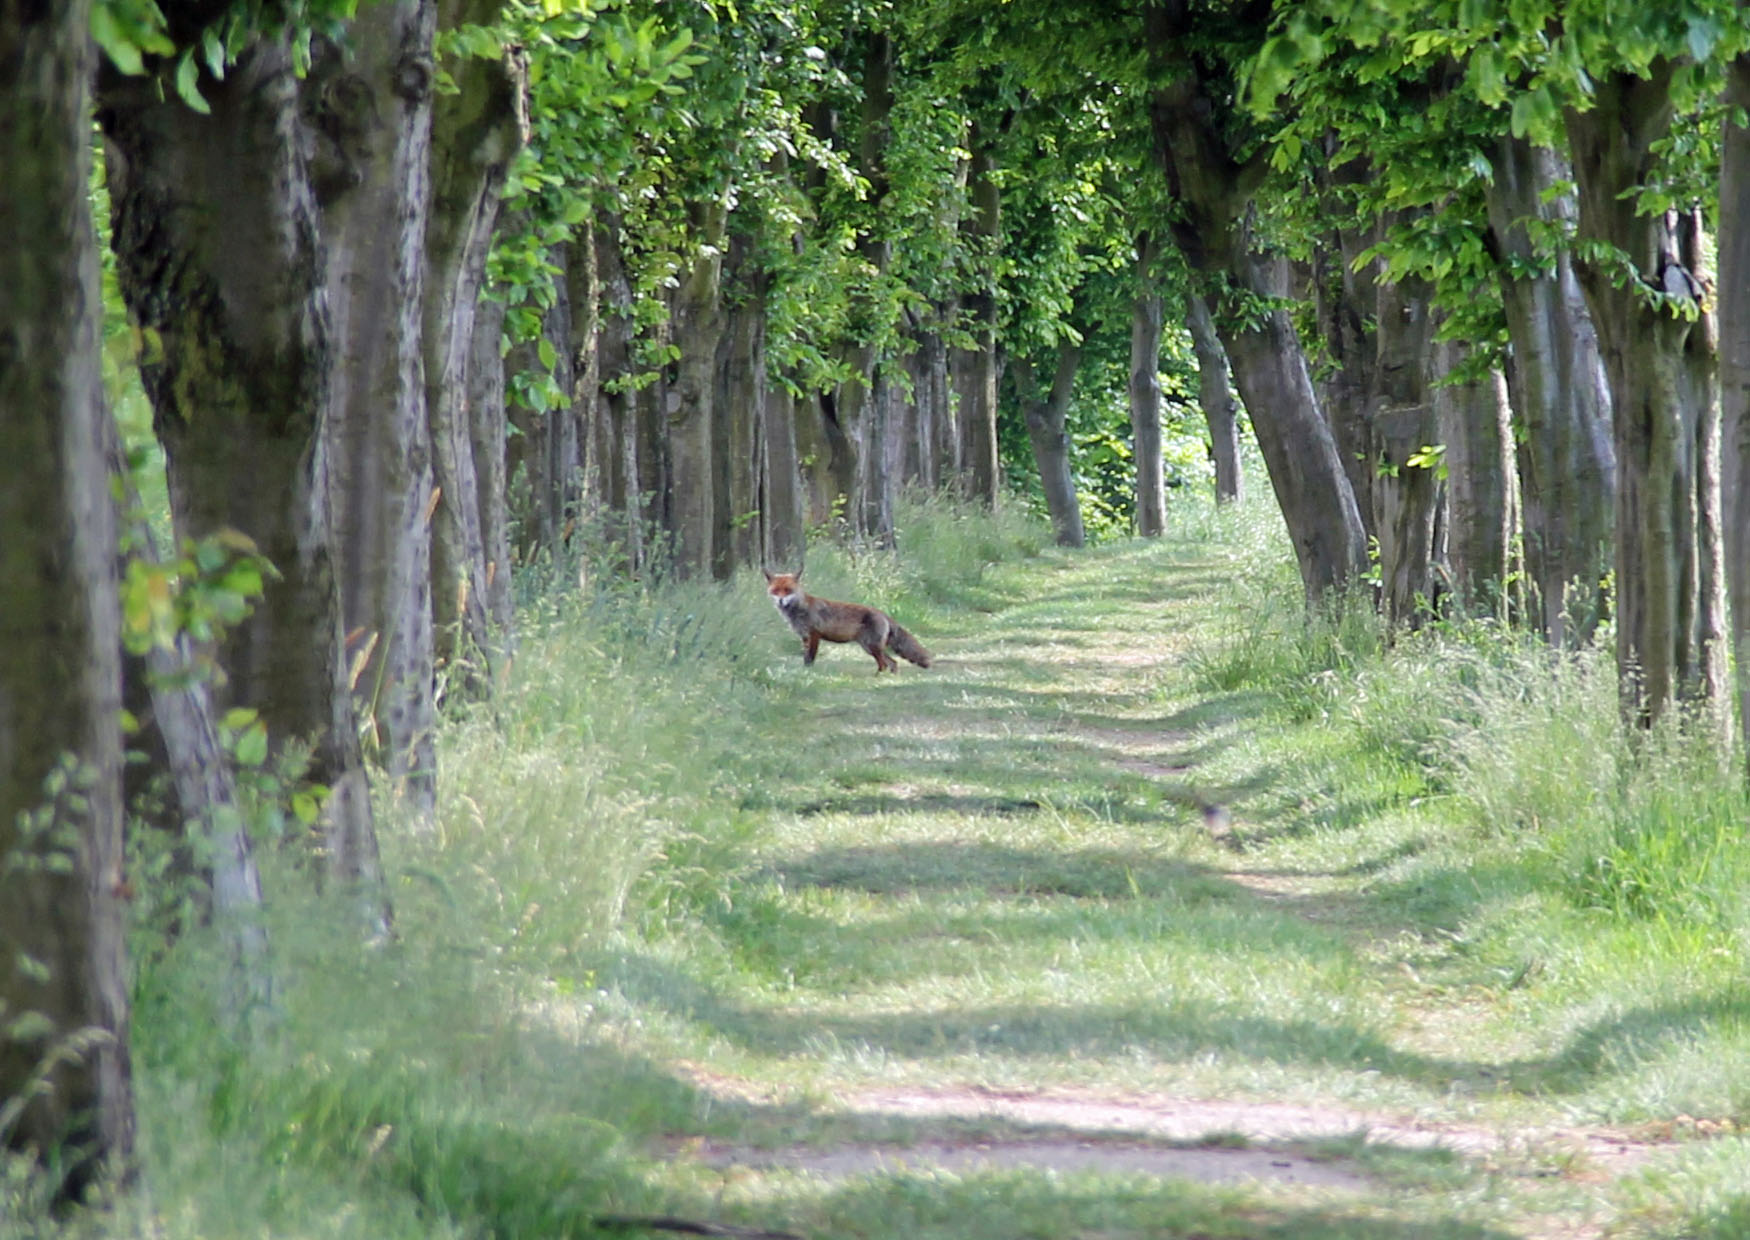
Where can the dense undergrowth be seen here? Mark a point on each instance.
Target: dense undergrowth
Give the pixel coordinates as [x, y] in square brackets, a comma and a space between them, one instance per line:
[601, 833]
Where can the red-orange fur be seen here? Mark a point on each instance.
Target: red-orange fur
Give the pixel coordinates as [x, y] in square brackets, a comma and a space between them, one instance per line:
[818, 619]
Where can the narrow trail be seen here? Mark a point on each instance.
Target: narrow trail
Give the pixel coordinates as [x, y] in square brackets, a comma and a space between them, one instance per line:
[998, 935]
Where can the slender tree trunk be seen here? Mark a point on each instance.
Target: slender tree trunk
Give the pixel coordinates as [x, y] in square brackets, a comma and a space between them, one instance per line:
[1560, 393]
[1215, 394]
[61, 878]
[1212, 229]
[476, 131]
[740, 407]
[488, 427]
[937, 434]
[651, 453]
[1734, 327]
[1403, 424]
[975, 370]
[1648, 351]
[218, 253]
[1046, 414]
[617, 471]
[780, 483]
[167, 690]
[370, 105]
[1146, 326]
[697, 322]
[1474, 423]
[1346, 294]
[583, 289]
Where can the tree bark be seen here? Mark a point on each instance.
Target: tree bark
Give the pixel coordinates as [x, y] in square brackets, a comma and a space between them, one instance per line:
[369, 106]
[1560, 393]
[1212, 227]
[61, 881]
[1046, 414]
[740, 408]
[488, 428]
[616, 416]
[975, 370]
[1402, 423]
[1346, 295]
[476, 131]
[1146, 326]
[167, 689]
[1651, 333]
[1474, 423]
[1215, 394]
[1734, 328]
[697, 322]
[219, 257]
[781, 498]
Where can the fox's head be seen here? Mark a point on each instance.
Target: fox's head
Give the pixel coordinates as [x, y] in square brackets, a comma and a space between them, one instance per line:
[783, 587]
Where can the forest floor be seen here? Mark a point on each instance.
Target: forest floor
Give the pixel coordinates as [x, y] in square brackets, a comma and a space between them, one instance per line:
[1048, 940]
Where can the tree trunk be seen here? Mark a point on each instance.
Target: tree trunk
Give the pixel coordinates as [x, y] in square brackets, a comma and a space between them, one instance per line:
[782, 530]
[697, 322]
[1560, 393]
[1734, 327]
[1046, 414]
[219, 256]
[1346, 296]
[1145, 393]
[1213, 190]
[937, 435]
[167, 690]
[740, 409]
[370, 107]
[975, 370]
[61, 879]
[476, 131]
[1650, 353]
[1474, 423]
[1403, 424]
[488, 428]
[1215, 394]
[616, 419]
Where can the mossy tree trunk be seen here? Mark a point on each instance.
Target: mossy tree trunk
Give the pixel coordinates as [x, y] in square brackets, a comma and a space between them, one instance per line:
[1654, 331]
[63, 979]
[369, 104]
[219, 257]
[476, 131]
[1561, 395]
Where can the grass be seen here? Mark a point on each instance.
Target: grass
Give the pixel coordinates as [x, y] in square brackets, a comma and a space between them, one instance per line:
[684, 895]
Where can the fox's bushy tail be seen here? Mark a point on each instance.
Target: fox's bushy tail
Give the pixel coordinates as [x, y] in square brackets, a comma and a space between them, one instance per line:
[906, 646]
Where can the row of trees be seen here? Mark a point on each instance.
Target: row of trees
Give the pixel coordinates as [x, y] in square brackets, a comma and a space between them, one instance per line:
[424, 289]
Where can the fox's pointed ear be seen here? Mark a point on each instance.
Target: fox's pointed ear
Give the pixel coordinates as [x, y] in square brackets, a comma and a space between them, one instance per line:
[768, 573]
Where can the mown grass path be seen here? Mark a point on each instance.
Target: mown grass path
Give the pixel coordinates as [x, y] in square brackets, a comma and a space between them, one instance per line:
[997, 973]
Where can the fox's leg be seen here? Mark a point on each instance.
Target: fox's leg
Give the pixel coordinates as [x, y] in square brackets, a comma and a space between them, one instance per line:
[873, 638]
[810, 648]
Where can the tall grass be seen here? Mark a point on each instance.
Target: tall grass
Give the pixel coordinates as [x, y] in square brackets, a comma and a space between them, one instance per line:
[1525, 746]
[421, 1088]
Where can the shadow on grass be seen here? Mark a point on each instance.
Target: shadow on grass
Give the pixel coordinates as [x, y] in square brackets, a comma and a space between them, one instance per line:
[1007, 1204]
[997, 870]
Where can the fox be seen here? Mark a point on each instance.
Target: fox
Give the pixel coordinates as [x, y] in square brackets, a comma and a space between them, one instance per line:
[817, 618]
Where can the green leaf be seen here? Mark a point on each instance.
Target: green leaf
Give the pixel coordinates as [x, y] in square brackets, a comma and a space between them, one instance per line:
[252, 746]
[240, 717]
[214, 51]
[549, 356]
[122, 51]
[188, 83]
